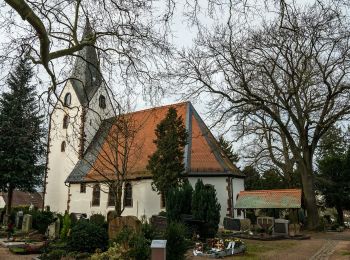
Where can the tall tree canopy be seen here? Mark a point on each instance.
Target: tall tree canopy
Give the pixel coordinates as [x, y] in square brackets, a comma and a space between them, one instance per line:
[167, 162]
[293, 71]
[21, 134]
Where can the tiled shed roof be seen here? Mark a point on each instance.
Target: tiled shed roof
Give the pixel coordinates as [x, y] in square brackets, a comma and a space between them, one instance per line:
[202, 154]
[20, 198]
[269, 199]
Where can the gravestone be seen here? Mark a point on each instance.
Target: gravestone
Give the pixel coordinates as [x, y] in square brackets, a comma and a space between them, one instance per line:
[232, 224]
[281, 226]
[245, 224]
[19, 219]
[117, 224]
[53, 230]
[27, 223]
[159, 222]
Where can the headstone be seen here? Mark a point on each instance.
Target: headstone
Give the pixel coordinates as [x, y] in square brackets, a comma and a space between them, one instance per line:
[245, 224]
[232, 224]
[53, 230]
[158, 248]
[117, 224]
[159, 222]
[19, 219]
[281, 226]
[27, 223]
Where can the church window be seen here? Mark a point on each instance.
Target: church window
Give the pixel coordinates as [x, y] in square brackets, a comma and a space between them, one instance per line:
[67, 99]
[102, 102]
[96, 193]
[111, 198]
[63, 146]
[82, 187]
[162, 200]
[128, 195]
[65, 121]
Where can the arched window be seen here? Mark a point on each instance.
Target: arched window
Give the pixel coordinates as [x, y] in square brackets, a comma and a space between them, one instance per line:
[96, 195]
[67, 99]
[63, 146]
[102, 101]
[111, 198]
[65, 121]
[128, 195]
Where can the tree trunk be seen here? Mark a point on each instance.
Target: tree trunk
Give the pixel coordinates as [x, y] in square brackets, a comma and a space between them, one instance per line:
[340, 215]
[118, 200]
[9, 201]
[310, 199]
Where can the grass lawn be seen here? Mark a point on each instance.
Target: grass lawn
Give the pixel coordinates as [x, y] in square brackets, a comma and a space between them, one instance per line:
[256, 249]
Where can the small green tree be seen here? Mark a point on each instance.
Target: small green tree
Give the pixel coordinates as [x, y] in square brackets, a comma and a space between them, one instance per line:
[21, 134]
[228, 150]
[179, 200]
[167, 162]
[205, 207]
[333, 180]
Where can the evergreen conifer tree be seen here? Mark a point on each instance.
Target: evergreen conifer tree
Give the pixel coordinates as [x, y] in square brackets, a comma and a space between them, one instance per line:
[167, 162]
[205, 207]
[228, 150]
[21, 133]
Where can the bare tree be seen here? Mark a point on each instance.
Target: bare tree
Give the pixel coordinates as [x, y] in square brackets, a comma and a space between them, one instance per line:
[295, 72]
[112, 155]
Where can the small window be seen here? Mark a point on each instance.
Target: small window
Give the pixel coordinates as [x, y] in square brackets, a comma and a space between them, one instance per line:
[102, 102]
[128, 195]
[65, 121]
[111, 198]
[67, 99]
[162, 200]
[96, 195]
[63, 146]
[82, 187]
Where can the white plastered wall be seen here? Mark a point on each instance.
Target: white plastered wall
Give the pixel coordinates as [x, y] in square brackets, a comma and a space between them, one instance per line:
[237, 186]
[60, 164]
[2, 202]
[145, 200]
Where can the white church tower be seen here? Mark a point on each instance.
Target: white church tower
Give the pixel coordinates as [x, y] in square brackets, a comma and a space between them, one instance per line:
[76, 117]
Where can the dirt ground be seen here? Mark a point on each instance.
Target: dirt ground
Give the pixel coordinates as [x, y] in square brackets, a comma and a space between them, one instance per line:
[332, 246]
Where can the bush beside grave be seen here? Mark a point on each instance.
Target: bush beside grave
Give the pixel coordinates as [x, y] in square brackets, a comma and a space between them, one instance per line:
[205, 207]
[176, 244]
[87, 237]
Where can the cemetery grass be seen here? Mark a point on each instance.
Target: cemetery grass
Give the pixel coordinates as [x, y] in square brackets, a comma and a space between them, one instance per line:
[256, 248]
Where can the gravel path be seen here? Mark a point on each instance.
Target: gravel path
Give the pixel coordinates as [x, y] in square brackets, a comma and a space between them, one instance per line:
[325, 251]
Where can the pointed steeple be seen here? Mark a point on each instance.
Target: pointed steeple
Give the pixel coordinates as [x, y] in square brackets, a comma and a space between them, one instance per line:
[86, 76]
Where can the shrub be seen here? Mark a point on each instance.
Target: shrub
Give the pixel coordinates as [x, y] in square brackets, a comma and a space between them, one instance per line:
[178, 201]
[55, 254]
[176, 243]
[98, 219]
[87, 237]
[41, 220]
[133, 245]
[66, 226]
[205, 207]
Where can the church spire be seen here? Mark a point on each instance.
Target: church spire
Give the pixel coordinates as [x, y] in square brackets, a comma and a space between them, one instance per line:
[86, 76]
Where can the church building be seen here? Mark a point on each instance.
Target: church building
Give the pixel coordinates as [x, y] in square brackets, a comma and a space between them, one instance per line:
[82, 157]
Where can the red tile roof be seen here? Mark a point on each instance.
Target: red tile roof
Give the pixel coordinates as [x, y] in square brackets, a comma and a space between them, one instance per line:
[205, 154]
[263, 199]
[20, 198]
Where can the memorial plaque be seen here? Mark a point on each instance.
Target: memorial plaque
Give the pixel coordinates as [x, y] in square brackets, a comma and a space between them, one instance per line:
[232, 224]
